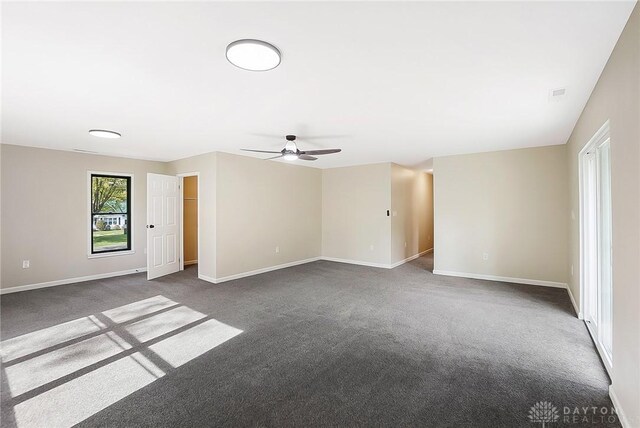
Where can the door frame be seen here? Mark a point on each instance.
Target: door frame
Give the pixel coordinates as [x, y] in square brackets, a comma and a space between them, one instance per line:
[181, 177]
[600, 137]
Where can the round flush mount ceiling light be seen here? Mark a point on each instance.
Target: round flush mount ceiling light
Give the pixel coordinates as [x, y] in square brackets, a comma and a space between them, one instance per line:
[253, 55]
[290, 157]
[103, 133]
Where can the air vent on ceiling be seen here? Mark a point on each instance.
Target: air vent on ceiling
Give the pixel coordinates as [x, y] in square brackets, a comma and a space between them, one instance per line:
[557, 94]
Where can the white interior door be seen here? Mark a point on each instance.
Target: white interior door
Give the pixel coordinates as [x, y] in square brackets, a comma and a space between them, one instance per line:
[163, 225]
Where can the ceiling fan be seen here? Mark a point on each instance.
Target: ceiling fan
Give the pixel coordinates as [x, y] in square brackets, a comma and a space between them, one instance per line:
[291, 151]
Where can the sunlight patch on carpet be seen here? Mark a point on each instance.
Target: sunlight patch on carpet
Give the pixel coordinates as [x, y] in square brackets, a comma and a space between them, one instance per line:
[61, 375]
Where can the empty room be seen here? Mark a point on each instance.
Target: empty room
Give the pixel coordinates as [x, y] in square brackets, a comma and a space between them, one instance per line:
[320, 214]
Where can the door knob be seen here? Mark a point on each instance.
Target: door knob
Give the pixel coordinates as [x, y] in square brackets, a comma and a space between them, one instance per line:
[150, 226]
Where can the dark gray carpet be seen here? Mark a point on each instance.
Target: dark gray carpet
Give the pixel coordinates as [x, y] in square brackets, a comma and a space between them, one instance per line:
[330, 344]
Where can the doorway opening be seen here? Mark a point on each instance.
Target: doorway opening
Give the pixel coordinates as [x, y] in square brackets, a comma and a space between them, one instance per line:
[190, 244]
[596, 281]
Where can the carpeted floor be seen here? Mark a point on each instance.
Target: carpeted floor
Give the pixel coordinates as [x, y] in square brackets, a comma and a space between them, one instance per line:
[321, 344]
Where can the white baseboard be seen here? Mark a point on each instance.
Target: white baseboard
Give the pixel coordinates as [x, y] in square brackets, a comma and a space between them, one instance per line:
[502, 278]
[356, 262]
[408, 259]
[573, 302]
[70, 280]
[376, 265]
[300, 262]
[622, 417]
[257, 271]
[207, 278]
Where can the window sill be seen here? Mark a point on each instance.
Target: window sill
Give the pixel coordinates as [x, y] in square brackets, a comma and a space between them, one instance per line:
[113, 254]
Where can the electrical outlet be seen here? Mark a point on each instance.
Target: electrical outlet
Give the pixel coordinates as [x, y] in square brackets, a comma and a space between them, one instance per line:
[395, 213]
[485, 256]
[277, 249]
[26, 264]
[371, 247]
[405, 244]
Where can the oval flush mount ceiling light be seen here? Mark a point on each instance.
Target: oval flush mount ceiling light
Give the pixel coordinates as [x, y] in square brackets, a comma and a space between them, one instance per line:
[253, 55]
[103, 133]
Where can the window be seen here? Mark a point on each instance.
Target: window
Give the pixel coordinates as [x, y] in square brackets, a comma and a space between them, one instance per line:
[110, 213]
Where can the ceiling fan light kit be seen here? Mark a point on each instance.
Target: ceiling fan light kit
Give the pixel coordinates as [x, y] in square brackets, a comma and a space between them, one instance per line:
[292, 153]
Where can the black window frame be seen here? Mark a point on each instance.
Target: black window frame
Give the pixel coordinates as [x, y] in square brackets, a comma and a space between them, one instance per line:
[128, 213]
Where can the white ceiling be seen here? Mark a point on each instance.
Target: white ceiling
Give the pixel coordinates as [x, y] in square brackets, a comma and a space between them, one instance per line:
[400, 82]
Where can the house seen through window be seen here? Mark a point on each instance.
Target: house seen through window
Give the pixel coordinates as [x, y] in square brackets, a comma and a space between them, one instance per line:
[110, 213]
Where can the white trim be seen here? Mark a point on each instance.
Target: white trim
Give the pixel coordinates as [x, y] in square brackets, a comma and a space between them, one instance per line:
[377, 265]
[573, 302]
[130, 228]
[601, 137]
[356, 262]
[622, 417]
[111, 254]
[257, 271]
[207, 278]
[408, 259]
[502, 278]
[606, 361]
[70, 280]
[300, 262]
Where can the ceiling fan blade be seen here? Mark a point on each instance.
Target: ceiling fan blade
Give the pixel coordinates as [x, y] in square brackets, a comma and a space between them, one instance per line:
[305, 156]
[275, 157]
[321, 152]
[259, 151]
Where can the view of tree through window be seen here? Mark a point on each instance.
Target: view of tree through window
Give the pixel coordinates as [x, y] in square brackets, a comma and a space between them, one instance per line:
[110, 205]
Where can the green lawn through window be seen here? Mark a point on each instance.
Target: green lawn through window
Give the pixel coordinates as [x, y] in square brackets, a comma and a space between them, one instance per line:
[109, 240]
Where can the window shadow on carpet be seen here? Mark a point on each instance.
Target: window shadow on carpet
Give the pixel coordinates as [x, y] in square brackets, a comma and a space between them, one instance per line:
[62, 375]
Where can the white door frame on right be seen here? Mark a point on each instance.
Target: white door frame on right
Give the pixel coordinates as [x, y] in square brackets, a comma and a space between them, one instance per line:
[596, 282]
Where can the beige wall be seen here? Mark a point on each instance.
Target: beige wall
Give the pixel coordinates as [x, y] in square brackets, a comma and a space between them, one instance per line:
[248, 207]
[355, 225]
[616, 97]
[45, 216]
[205, 166]
[512, 205]
[190, 219]
[412, 212]
[263, 205]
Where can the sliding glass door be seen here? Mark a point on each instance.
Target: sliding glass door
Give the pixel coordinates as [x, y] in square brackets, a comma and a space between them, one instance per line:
[595, 214]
